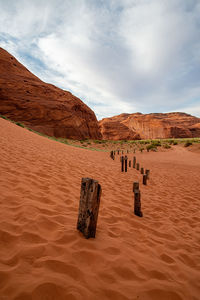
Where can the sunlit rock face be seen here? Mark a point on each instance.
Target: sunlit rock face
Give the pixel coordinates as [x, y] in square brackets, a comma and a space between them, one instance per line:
[41, 106]
[150, 126]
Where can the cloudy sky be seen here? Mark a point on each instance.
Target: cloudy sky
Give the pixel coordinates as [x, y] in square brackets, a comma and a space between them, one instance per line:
[116, 55]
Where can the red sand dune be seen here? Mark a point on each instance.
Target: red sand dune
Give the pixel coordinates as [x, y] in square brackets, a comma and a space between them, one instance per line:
[43, 256]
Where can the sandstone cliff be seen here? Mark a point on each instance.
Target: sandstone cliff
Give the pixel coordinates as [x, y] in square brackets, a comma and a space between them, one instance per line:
[41, 106]
[150, 126]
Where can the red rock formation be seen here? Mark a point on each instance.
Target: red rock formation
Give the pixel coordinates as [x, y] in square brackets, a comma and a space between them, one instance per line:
[41, 106]
[115, 128]
[150, 126]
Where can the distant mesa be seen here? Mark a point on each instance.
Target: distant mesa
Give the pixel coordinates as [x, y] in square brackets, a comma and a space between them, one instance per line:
[41, 106]
[150, 126]
[50, 110]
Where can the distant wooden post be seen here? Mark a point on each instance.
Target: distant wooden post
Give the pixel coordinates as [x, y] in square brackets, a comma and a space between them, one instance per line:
[134, 161]
[89, 207]
[112, 155]
[122, 161]
[122, 152]
[129, 163]
[137, 200]
[126, 161]
[147, 172]
[114, 152]
[144, 179]
[118, 152]
[142, 170]
[137, 166]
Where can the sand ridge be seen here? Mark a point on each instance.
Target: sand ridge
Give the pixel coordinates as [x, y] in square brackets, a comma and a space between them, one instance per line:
[43, 256]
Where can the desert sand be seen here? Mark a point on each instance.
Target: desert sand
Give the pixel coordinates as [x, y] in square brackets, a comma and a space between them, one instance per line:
[43, 256]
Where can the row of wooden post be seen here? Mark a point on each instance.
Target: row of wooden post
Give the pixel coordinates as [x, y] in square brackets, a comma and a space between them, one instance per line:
[124, 163]
[113, 152]
[89, 206]
[91, 193]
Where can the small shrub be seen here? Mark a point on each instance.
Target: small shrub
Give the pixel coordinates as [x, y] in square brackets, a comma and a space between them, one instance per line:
[97, 142]
[187, 144]
[3, 117]
[175, 143]
[166, 146]
[144, 142]
[19, 124]
[151, 147]
[156, 143]
[141, 149]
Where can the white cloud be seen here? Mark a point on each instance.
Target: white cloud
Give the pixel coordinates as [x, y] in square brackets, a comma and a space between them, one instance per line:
[193, 110]
[117, 56]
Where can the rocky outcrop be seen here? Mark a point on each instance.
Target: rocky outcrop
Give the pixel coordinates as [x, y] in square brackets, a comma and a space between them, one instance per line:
[41, 106]
[150, 126]
[116, 128]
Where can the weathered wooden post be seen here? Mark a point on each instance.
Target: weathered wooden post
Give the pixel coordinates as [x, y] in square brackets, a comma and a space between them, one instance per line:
[135, 186]
[89, 207]
[147, 172]
[137, 166]
[144, 179]
[114, 152]
[122, 161]
[118, 152]
[112, 155]
[134, 161]
[122, 152]
[129, 163]
[127, 150]
[137, 202]
[142, 170]
[126, 161]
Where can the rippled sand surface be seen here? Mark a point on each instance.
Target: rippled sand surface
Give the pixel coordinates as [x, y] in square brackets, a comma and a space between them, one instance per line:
[43, 256]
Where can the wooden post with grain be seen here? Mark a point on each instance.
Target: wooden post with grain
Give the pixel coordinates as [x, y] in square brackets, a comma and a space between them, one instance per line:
[134, 161]
[137, 200]
[129, 163]
[145, 179]
[126, 162]
[122, 162]
[142, 170]
[89, 207]
[112, 154]
[147, 172]
[137, 166]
